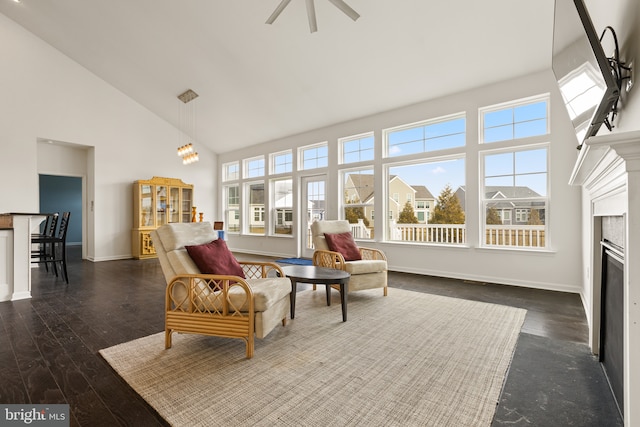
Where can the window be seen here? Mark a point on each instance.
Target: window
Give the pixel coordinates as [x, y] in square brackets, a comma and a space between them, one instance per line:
[427, 136]
[514, 198]
[232, 208]
[358, 190]
[357, 148]
[254, 167]
[519, 120]
[282, 206]
[255, 207]
[438, 183]
[282, 162]
[313, 157]
[231, 171]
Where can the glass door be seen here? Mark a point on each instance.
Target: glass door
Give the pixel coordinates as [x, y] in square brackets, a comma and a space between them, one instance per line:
[312, 208]
[187, 196]
[174, 204]
[161, 205]
[146, 206]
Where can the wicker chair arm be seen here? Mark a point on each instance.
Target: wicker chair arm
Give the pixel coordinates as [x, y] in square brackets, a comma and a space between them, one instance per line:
[371, 253]
[258, 269]
[209, 293]
[329, 259]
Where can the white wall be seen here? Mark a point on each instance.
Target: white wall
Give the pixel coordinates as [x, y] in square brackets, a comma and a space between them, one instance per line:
[47, 96]
[558, 269]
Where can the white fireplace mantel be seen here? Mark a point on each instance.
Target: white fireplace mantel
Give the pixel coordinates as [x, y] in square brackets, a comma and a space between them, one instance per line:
[608, 170]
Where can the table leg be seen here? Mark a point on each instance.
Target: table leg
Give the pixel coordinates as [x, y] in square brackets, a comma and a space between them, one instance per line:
[343, 300]
[328, 286]
[292, 297]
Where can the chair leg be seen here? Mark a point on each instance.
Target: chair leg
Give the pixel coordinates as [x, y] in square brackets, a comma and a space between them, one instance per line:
[167, 339]
[63, 268]
[385, 291]
[249, 341]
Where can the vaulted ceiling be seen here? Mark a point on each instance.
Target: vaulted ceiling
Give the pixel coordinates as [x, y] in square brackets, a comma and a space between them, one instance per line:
[260, 82]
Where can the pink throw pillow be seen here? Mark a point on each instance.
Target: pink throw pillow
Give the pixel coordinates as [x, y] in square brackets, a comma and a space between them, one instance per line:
[215, 258]
[343, 243]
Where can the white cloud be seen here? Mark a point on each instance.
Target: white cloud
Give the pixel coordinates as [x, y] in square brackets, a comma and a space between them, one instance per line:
[439, 170]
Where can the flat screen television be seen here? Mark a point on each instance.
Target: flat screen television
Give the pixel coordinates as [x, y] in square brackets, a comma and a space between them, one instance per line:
[582, 69]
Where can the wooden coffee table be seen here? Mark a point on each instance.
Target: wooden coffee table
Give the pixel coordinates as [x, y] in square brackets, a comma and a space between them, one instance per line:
[318, 276]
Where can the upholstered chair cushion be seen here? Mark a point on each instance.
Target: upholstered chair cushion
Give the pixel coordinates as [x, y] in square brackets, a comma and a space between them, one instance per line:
[366, 266]
[215, 258]
[185, 234]
[318, 228]
[343, 243]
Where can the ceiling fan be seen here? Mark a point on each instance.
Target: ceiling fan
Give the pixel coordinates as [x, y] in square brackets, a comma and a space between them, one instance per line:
[311, 12]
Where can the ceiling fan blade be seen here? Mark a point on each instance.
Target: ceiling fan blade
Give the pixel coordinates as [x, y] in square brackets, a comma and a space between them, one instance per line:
[311, 13]
[278, 11]
[340, 4]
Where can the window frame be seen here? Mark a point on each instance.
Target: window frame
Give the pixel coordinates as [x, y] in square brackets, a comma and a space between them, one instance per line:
[273, 209]
[386, 133]
[513, 104]
[368, 208]
[513, 214]
[360, 137]
[304, 149]
[273, 165]
[248, 167]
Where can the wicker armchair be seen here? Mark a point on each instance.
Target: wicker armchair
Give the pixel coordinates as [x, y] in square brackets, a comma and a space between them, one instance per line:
[368, 273]
[219, 305]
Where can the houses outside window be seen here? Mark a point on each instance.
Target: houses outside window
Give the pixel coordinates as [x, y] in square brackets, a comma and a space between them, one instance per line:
[232, 208]
[357, 203]
[282, 207]
[515, 198]
[255, 208]
[434, 216]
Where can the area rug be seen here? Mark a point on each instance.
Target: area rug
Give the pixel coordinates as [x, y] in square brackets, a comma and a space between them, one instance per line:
[408, 359]
[295, 261]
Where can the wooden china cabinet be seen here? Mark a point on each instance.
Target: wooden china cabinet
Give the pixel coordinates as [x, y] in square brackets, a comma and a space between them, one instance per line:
[157, 201]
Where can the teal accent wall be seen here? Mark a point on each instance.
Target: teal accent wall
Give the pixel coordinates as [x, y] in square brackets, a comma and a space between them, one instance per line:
[60, 194]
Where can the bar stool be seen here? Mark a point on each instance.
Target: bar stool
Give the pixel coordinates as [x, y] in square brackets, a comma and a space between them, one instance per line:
[58, 253]
[41, 239]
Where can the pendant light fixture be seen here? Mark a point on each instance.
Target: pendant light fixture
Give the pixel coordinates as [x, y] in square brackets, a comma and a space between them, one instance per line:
[187, 119]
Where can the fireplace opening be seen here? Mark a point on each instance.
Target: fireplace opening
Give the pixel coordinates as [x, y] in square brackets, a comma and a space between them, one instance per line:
[611, 353]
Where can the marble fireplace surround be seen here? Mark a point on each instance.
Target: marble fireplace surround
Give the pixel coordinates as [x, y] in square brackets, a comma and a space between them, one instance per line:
[608, 170]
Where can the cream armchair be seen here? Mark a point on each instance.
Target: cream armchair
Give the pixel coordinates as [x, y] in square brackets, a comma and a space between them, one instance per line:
[220, 305]
[368, 273]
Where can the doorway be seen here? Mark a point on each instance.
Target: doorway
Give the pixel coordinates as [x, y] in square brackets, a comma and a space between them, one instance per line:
[312, 207]
[63, 194]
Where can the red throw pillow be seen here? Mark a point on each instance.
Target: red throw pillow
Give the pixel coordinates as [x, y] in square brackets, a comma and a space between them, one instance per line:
[343, 243]
[215, 258]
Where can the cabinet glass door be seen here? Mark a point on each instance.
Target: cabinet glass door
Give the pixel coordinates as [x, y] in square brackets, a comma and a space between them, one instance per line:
[161, 205]
[187, 195]
[174, 204]
[146, 206]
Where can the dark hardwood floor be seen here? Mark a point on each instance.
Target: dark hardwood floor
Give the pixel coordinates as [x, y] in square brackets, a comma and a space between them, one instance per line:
[49, 345]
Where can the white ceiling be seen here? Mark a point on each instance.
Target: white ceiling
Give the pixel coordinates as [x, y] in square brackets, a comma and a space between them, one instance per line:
[260, 82]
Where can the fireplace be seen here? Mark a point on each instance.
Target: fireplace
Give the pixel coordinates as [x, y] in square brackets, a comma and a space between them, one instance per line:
[608, 170]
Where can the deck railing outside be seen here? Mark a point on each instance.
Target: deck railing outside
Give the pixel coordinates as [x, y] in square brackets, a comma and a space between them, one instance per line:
[521, 236]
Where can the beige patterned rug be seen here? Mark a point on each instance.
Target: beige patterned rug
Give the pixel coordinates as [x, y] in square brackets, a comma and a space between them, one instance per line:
[409, 359]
